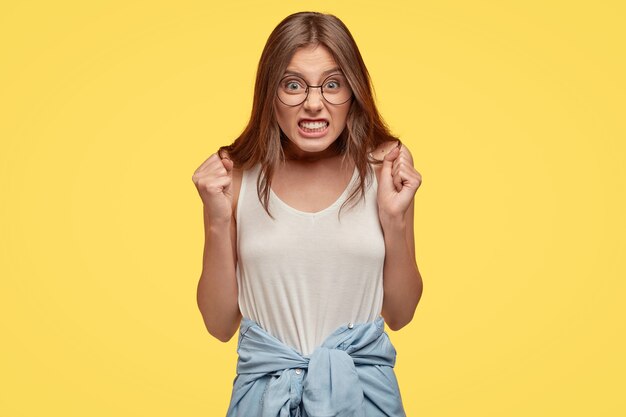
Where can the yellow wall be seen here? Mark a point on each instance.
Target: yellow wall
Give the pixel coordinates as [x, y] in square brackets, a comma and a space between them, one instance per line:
[514, 113]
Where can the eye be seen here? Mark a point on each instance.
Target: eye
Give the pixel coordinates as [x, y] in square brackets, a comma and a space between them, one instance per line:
[334, 83]
[292, 85]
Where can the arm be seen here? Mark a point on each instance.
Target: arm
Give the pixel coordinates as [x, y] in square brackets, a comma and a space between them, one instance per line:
[217, 289]
[402, 281]
[217, 294]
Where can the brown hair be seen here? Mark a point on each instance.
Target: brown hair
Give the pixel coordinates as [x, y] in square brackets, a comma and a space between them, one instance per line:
[262, 139]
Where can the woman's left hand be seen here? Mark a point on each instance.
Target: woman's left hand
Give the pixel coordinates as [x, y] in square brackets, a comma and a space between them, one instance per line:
[397, 185]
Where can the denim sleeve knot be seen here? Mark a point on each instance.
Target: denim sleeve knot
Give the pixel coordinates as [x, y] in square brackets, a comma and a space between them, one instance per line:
[350, 374]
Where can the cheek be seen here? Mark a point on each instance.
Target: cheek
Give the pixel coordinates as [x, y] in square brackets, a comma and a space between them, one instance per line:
[284, 118]
[342, 118]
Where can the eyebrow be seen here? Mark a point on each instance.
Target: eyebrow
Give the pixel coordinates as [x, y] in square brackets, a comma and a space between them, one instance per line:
[330, 71]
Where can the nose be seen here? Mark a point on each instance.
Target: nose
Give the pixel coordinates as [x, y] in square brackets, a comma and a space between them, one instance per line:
[314, 99]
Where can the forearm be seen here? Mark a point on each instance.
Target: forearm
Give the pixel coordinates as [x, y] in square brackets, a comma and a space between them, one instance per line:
[217, 288]
[402, 282]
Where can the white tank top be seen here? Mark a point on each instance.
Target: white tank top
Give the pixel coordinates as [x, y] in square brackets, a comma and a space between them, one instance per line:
[302, 275]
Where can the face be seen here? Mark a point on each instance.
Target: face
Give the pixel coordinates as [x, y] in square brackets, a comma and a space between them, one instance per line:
[301, 123]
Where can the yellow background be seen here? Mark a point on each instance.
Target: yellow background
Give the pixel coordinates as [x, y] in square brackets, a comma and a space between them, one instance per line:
[514, 113]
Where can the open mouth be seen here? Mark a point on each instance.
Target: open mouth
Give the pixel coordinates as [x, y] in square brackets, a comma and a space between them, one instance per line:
[313, 127]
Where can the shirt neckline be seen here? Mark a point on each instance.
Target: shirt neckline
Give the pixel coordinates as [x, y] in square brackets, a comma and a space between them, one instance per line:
[329, 208]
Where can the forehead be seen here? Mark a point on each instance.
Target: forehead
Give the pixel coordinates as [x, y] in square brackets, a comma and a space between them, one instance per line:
[312, 62]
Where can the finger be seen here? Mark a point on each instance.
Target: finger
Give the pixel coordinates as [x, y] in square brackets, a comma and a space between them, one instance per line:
[410, 179]
[397, 182]
[223, 154]
[391, 156]
[228, 165]
[397, 165]
[207, 162]
[218, 185]
[219, 167]
[386, 176]
[400, 163]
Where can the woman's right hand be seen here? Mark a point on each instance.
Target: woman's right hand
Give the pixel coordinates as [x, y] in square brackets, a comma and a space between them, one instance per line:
[213, 179]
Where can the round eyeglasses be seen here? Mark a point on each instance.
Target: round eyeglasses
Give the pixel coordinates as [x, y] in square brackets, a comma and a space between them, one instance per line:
[293, 90]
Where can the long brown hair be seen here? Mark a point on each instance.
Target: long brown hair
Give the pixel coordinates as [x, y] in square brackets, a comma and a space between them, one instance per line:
[262, 140]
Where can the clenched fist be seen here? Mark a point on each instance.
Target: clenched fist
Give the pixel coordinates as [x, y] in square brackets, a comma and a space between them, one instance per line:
[398, 183]
[213, 180]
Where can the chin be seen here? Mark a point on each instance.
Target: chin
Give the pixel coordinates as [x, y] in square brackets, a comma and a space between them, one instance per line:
[310, 146]
[302, 146]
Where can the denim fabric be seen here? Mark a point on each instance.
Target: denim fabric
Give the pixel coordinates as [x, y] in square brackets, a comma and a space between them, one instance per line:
[350, 374]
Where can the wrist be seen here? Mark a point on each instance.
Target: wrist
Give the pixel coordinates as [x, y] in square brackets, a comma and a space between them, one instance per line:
[392, 223]
[219, 226]
[216, 223]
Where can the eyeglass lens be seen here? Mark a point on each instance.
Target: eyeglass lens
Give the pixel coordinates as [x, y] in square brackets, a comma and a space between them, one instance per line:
[293, 90]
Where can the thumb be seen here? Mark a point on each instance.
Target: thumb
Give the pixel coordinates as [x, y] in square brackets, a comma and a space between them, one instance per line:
[228, 164]
[385, 171]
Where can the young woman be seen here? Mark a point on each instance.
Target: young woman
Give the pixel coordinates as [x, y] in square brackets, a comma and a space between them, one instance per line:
[309, 234]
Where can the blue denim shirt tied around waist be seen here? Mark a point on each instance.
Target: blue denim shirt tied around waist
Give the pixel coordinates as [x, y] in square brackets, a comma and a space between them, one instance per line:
[350, 374]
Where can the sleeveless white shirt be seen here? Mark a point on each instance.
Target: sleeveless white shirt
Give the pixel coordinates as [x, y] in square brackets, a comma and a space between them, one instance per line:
[301, 275]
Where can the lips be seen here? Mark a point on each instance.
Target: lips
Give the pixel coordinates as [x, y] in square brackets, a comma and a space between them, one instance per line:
[313, 128]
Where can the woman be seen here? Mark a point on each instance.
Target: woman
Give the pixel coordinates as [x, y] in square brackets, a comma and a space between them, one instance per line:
[309, 234]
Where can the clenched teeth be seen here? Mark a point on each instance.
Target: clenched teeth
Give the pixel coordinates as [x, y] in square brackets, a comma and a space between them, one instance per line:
[313, 125]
